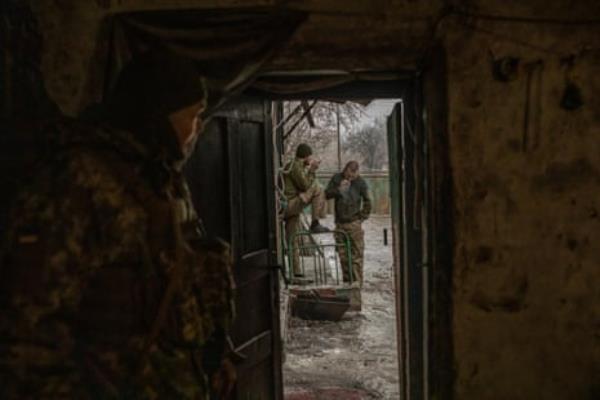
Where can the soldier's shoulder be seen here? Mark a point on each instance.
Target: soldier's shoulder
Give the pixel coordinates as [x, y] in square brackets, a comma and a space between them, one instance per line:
[83, 150]
[77, 174]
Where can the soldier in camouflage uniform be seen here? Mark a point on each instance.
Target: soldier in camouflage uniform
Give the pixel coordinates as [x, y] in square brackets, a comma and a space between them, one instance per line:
[352, 207]
[107, 288]
[302, 189]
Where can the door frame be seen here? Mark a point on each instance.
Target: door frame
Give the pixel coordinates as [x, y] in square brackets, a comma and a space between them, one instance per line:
[407, 145]
[429, 123]
[426, 92]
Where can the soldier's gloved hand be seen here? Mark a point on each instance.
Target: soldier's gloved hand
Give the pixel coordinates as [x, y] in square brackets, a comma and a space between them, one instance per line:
[223, 380]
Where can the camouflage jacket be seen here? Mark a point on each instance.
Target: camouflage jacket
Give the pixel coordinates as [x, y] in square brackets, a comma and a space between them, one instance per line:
[296, 178]
[95, 242]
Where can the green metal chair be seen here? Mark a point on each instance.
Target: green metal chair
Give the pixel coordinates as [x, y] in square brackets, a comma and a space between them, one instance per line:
[319, 254]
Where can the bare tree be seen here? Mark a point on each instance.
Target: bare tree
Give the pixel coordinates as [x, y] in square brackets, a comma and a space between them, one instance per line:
[370, 144]
[324, 132]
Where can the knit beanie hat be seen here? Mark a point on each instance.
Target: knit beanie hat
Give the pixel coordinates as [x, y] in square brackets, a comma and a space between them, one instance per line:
[303, 150]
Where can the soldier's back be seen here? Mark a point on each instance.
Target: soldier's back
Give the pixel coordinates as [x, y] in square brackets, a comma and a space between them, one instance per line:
[85, 265]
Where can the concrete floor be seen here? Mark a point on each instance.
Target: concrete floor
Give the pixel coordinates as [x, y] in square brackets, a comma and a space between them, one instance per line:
[356, 357]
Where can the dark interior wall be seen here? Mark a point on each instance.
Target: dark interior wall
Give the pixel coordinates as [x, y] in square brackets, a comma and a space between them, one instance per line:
[526, 304]
[68, 31]
[24, 103]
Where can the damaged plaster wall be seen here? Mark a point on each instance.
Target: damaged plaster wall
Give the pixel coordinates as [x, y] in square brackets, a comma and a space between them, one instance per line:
[527, 202]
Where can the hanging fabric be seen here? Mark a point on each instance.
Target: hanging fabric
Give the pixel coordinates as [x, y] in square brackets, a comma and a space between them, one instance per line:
[230, 46]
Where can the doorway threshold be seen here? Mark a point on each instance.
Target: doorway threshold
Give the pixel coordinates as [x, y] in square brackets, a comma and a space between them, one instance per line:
[332, 393]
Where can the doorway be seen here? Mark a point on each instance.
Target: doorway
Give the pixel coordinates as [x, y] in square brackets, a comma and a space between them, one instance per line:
[318, 86]
[245, 142]
[333, 353]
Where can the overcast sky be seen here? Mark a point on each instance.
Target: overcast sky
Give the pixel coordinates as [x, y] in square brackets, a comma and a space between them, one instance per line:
[378, 109]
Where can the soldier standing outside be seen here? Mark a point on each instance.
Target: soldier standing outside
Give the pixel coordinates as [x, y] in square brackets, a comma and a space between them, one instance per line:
[108, 288]
[302, 189]
[352, 207]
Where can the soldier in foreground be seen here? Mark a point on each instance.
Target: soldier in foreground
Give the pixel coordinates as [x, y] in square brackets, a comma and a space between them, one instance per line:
[108, 288]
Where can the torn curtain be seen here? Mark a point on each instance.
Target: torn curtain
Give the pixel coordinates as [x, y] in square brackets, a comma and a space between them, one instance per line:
[230, 46]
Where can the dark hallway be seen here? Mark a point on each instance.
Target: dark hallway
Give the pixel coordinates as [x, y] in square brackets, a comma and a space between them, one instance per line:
[495, 173]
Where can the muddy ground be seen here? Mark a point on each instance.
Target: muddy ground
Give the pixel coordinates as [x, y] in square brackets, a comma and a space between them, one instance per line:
[359, 352]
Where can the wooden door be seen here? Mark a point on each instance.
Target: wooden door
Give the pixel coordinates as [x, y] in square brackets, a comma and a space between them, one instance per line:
[231, 179]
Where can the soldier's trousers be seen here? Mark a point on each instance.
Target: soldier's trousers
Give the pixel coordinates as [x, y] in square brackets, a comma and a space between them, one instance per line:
[356, 236]
[292, 213]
